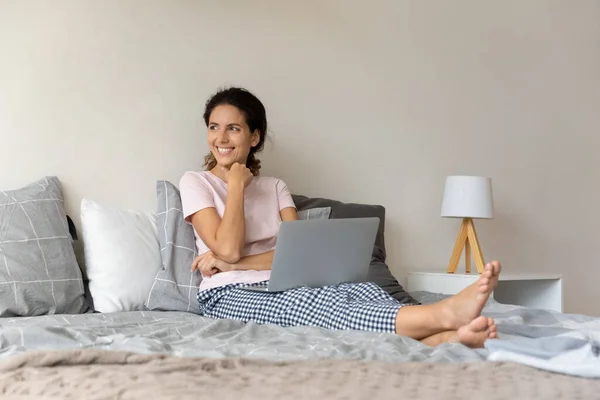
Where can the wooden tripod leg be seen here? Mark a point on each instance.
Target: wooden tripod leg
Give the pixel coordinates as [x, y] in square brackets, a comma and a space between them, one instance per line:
[477, 254]
[458, 247]
[468, 255]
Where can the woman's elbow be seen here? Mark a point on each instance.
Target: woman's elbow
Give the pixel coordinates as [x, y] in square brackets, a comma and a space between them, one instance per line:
[230, 257]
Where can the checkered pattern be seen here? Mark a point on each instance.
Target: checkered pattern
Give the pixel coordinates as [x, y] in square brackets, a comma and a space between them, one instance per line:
[39, 273]
[358, 306]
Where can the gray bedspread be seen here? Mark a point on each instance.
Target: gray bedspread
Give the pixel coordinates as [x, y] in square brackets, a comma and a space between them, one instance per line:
[187, 335]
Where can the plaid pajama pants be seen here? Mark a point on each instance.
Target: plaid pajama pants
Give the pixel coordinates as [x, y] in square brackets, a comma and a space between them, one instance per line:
[354, 306]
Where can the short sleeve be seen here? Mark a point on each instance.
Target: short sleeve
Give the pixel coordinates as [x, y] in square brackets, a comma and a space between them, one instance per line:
[196, 194]
[283, 195]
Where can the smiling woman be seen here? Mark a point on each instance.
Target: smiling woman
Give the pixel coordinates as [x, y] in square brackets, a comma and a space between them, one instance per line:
[236, 216]
[234, 211]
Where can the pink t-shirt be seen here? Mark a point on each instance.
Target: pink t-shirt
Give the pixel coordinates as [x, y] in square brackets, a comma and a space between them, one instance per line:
[264, 198]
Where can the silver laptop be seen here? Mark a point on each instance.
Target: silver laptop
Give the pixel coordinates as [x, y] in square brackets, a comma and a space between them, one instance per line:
[321, 252]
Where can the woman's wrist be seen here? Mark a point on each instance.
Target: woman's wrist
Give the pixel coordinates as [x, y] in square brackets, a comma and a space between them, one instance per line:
[234, 184]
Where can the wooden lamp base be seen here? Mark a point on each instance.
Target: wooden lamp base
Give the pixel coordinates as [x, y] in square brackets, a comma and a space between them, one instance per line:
[467, 239]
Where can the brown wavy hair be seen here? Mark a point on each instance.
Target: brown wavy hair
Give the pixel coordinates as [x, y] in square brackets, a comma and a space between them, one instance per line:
[256, 117]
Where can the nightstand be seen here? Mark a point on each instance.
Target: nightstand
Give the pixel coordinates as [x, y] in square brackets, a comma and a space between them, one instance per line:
[533, 290]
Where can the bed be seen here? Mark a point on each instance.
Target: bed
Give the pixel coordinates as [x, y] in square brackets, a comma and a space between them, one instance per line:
[167, 350]
[164, 354]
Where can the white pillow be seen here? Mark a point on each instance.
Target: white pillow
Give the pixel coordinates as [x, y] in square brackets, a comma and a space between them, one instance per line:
[122, 255]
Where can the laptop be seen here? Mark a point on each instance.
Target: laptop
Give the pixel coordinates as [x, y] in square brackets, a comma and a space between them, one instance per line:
[321, 252]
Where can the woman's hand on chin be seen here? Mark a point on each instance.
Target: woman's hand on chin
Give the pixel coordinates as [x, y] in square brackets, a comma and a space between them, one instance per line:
[238, 173]
[208, 264]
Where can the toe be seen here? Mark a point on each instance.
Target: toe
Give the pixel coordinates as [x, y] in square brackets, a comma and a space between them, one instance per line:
[479, 324]
[496, 267]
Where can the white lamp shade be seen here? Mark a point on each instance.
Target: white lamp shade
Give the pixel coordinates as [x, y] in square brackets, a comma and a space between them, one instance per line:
[468, 197]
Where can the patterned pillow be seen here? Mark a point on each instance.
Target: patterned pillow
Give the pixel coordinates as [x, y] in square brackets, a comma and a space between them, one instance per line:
[39, 273]
[315, 213]
[175, 287]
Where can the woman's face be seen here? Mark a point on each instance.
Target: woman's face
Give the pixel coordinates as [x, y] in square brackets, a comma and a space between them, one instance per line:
[229, 137]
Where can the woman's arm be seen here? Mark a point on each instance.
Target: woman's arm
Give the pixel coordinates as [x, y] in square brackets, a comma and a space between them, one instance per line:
[259, 262]
[263, 261]
[225, 237]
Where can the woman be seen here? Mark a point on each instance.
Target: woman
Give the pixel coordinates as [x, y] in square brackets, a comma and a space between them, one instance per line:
[236, 215]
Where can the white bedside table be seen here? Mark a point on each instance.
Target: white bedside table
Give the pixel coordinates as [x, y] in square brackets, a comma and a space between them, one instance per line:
[534, 290]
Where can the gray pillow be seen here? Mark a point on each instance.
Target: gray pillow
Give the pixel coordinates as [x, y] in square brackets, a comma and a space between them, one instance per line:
[175, 287]
[39, 273]
[315, 213]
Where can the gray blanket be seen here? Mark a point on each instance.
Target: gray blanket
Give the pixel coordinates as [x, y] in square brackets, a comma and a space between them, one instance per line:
[189, 335]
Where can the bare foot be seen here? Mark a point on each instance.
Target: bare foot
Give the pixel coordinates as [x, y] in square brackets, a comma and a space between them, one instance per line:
[464, 307]
[476, 332]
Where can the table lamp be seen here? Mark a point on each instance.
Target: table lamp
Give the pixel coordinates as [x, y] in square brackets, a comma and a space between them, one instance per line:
[467, 197]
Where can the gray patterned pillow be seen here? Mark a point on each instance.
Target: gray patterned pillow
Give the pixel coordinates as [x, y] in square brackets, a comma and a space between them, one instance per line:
[175, 287]
[39, 273]
[315, 213]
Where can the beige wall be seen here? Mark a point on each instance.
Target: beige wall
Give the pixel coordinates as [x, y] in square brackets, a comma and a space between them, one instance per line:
[368, 101]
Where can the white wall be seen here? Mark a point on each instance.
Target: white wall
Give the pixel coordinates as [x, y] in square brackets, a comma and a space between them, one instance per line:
[368, 101]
